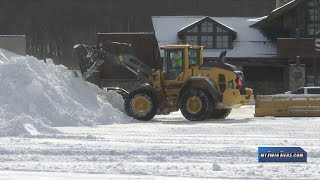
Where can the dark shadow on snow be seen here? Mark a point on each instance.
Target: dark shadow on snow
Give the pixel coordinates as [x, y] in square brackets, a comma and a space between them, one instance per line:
[209, 121]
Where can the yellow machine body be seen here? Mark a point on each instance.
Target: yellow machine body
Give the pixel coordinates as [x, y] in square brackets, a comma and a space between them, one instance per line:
[171, 88]
[200, 90]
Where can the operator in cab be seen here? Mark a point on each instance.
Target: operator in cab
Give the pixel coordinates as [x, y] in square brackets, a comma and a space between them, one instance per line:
[177, 60]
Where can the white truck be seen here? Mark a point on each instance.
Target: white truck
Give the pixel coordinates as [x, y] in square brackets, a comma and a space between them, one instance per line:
[305, 90]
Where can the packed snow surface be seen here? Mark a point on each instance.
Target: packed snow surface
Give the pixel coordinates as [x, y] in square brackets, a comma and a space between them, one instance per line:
[36, 95]
[167, 147]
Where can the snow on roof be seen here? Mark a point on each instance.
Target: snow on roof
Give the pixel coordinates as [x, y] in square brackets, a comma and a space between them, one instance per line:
[128, 33]
[250, 42]
[279, 11]
[283, 6]
[257, 19]
[204, 19]
[12, 35]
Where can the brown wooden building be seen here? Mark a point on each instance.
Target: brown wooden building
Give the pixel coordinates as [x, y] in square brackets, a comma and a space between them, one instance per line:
[52, 27]
[293, 27]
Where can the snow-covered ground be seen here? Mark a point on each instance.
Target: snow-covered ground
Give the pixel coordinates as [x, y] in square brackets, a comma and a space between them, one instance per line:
[166, 147]
[54, 125]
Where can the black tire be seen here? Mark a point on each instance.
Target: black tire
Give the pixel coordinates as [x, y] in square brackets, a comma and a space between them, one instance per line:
[203, 112]
[220, 113]
[148, 97]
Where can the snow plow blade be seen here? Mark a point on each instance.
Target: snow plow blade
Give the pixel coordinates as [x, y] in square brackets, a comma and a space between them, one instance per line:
[287, 105]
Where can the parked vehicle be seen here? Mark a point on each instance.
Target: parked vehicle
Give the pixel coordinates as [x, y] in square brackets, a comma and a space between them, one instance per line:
[306, 90]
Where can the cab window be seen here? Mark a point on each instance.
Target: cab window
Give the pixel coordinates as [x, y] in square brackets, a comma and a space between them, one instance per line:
[172, 63]
[194, 56]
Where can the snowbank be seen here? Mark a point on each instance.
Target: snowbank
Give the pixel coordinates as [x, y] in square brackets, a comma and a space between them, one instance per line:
[115, 99]
[50, 95]
[25, 125]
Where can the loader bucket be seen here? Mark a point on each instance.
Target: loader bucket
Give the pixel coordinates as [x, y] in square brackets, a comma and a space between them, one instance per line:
[88, 58]
[287, 105]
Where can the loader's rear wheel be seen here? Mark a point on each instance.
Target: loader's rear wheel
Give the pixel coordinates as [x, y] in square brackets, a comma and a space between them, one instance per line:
[141, 104]
[196, 104]
[220, 113]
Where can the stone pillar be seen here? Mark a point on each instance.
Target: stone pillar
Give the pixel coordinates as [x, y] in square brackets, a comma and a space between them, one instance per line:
[296, 76]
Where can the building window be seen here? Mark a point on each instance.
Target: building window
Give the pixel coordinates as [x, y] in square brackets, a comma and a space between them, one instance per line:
[222, 42]
[314, 16]
[193, 40]
[207, 41]
[311, 29]
[219, 29]
[210, 35]
[194, 30]
[207, 27]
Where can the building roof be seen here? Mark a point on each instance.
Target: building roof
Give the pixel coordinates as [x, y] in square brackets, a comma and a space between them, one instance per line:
[279, 11]
[192, 25]
[285, 8]
[129, 33]
[250, 42]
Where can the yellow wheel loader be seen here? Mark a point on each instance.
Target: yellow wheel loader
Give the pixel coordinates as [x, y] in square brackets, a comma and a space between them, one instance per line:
[201, 90]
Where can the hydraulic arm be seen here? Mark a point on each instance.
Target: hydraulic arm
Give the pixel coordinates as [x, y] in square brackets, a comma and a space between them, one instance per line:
[119, 54]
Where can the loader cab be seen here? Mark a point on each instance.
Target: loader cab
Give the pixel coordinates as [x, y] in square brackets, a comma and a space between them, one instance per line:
[179, 59]
[173, 63]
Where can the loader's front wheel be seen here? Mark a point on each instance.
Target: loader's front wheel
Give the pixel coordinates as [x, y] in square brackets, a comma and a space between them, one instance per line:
[141, 104]
[196, 104]
[220, 113]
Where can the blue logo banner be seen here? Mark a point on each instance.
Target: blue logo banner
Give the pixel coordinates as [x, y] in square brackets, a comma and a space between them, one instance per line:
[281, 154]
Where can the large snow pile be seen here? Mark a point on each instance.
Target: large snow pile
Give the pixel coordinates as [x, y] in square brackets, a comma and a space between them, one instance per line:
[42, 94]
